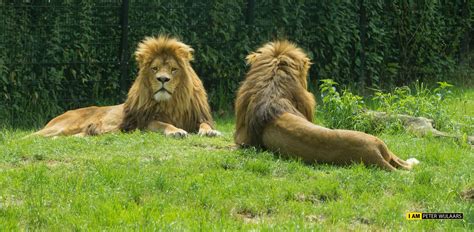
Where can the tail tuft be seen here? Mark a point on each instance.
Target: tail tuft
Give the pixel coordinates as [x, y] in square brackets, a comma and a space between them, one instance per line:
[413, 161]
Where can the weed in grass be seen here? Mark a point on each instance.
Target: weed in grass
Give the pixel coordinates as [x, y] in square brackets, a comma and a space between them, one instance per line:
[343, 111]
[420, 102]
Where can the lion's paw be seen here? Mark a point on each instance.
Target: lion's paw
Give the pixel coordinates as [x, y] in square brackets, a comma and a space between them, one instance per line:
[178, 133]
[209, 133]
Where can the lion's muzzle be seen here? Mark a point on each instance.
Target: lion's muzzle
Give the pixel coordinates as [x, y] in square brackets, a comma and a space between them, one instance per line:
[162, 94]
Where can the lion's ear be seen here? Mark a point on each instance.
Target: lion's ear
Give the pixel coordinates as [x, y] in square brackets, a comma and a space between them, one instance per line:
[252, 57]
[140, 56]
[306, 64]
[185, 51]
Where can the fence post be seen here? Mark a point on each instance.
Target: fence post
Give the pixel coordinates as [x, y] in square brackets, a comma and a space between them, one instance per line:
[123, 54]
[249, 16]
[465, 40]
[363, 41]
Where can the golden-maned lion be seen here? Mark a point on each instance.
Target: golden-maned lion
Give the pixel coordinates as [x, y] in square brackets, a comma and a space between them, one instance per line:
[274, 110]
[167, 96]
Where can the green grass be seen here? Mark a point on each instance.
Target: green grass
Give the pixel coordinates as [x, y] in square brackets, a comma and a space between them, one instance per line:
[144, 181]
[461, 105]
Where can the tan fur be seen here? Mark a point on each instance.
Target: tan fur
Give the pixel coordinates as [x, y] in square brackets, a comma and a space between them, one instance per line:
[166, 96]
[274, 111]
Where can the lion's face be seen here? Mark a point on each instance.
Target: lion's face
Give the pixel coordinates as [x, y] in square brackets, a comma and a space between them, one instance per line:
[164, 75]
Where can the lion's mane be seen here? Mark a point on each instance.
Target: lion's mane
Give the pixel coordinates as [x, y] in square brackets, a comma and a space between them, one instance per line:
[270, 89]
[188, 106]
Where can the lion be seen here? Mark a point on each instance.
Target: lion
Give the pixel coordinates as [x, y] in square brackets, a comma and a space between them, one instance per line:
[167, 96]
[274, 111]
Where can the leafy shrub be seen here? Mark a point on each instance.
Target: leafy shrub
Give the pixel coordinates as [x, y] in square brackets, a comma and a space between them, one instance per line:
[348, 111]
[343, 111]
[420, 102]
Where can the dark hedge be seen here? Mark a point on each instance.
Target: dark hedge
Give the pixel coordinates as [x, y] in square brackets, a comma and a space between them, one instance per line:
[59, 55]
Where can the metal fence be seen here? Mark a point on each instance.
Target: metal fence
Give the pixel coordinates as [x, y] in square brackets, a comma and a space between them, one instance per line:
[57, 55]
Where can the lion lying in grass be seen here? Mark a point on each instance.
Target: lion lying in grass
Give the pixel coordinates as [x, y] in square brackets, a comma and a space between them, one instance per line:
[274, 110]
[167, 96]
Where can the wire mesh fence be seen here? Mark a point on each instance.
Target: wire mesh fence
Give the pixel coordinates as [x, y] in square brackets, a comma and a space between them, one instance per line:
[57, 55]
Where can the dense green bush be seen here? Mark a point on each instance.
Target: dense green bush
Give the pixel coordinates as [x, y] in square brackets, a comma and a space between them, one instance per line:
[57, 55]
[421, 101]
[344, 110]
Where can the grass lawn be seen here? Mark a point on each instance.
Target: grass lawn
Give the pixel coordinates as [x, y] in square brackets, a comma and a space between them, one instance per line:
[144, 181]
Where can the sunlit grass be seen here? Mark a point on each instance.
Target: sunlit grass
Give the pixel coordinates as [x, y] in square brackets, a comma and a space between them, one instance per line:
[144, 181]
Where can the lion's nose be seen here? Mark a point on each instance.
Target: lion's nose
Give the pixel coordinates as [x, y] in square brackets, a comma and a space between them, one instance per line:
[163, 79]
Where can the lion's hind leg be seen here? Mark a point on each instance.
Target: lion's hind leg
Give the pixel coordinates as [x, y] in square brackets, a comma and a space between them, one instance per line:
[61, 128]
[56, 132]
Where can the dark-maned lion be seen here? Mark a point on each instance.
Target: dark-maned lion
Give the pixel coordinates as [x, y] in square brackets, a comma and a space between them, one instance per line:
[274, 110]
[167, 96]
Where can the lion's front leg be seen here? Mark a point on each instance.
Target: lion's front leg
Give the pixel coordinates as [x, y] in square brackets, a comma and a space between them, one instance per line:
[167, 129]
[206, 130]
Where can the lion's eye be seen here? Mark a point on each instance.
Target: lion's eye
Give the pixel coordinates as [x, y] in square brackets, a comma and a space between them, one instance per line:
[154, 69]
[174, 70]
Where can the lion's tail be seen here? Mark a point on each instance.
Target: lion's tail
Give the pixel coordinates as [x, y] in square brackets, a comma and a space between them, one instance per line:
[294, 136]
[43, 132]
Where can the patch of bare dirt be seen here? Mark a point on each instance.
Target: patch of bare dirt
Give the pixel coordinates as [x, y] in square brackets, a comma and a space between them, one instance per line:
[315, 218]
